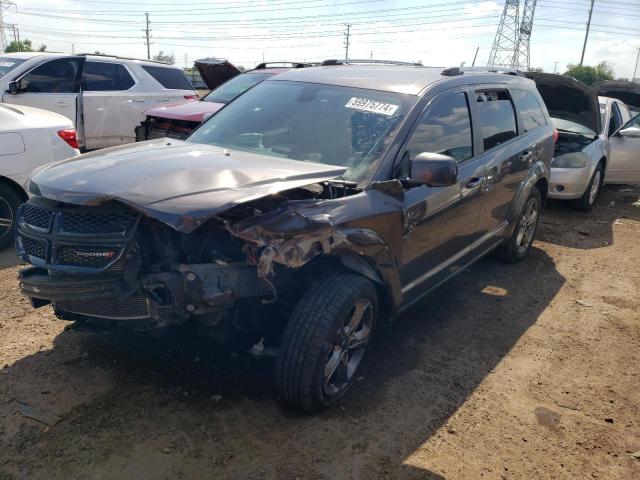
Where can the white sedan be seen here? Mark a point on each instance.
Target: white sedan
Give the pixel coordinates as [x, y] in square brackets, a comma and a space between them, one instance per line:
[29, 137]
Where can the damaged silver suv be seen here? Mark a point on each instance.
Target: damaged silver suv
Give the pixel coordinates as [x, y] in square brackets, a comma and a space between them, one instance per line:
[319, 203]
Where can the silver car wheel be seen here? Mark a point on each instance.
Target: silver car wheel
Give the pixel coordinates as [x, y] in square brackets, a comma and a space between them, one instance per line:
[527, 226]
[347, 352]
[595, 186]
[6, 217]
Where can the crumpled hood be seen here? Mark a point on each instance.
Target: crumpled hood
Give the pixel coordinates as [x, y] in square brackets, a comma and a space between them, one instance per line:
[628, 92]
[192, 111]
[179, 183]
[568, 99]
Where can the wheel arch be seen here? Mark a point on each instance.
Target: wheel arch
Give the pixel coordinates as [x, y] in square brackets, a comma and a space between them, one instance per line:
[15, 186]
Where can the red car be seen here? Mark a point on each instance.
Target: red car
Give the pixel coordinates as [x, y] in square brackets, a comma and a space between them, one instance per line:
[177, 120]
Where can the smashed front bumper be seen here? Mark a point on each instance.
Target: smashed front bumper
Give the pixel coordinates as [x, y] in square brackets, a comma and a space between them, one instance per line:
[87, 264]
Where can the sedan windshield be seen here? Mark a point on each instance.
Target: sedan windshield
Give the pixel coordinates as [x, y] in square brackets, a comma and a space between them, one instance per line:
[234, 87]
[328, 124]
[7, 64]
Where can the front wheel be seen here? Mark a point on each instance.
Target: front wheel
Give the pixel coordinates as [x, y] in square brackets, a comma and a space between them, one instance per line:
[9, 203]
[518, 245]
[589, 196]
[325, 340]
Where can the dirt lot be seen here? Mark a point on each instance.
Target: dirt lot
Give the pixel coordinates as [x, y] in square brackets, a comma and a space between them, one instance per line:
[526, 371]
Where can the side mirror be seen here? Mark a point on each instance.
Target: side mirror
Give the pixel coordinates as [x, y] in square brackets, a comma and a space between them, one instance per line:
[14, 87]
[631, 132]
[433, 170]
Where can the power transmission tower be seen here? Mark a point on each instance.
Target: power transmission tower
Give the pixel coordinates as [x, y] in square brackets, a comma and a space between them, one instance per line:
[522, 58]
[346, 40]
[505, 45]
[146, 34]
[4, 43]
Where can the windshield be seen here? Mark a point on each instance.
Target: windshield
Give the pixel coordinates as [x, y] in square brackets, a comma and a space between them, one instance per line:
[328, 124]
[573, 127]
[7, 64]
[234, 87]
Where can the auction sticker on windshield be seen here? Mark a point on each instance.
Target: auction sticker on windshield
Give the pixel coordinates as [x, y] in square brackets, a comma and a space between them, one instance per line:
[373, 106]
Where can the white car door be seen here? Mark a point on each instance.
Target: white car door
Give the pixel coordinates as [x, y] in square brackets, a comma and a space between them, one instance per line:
[53, 85]
[110, 105]
[624, 163]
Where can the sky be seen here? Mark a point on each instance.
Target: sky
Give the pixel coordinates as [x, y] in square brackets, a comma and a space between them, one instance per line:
[246, 32]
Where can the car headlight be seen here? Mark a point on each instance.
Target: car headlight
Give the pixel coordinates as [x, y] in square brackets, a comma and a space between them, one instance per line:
[571, 160]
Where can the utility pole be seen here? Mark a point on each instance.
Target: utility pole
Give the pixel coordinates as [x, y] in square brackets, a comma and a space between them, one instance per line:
[555, 67]
[586, 35]
[473, 64]
[346, 41]
[4, 43]
[73, 49]
[186, 60]
[146, 34]
[633, 79]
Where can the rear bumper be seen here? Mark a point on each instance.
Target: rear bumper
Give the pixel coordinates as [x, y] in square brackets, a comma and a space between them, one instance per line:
[569, 183]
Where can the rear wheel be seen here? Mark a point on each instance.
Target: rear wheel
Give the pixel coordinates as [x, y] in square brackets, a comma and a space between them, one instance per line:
[325, 340]
[589, 197]
[518, 245]
[9, 203]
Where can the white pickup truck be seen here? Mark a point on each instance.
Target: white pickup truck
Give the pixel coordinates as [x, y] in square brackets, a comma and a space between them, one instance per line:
[102, 95]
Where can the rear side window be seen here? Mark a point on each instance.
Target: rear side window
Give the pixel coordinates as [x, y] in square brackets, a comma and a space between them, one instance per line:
[54, 76]
[529, 108]
[172, 78]
[445, 129]
[615, 122]
[497, 116]
[103, 76]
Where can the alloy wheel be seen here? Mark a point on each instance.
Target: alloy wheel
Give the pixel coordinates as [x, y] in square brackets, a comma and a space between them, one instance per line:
[349, 346]
[527, 225]
[6, 217]
[595, 186]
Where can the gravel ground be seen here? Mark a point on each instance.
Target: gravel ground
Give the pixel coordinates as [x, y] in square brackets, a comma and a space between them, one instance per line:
[508, 371]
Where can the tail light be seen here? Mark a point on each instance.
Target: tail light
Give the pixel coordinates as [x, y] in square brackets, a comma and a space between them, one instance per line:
[191, 97]
[70, 136]
[555, 135]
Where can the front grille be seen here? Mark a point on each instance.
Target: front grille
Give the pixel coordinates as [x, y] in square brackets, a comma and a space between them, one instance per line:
[84, 222]
[171, 128]
[130, 308]
[75, 239]
[92, 257]
[34, 248]
[36, 216]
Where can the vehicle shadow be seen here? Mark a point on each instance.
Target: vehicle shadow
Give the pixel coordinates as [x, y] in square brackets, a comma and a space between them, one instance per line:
[8, 258]
[565, 226]
[217, 410]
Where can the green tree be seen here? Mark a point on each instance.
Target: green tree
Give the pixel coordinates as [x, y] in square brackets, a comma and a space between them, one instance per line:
[42, 48]
[21, 46]
[590, 75]
[161, 57]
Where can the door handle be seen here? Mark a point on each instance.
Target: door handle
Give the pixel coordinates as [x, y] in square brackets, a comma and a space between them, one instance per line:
[474, 182]
[138, 100]
[62, 104]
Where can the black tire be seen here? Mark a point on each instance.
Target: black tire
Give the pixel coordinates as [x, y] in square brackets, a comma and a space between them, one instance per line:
[514, 250]
[586, 201]
[313, 334]
[10, 200]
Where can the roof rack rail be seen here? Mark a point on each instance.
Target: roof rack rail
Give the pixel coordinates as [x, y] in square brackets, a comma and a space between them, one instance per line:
[263, 65]
[106, 55]
[367, 61]
[505, 70]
